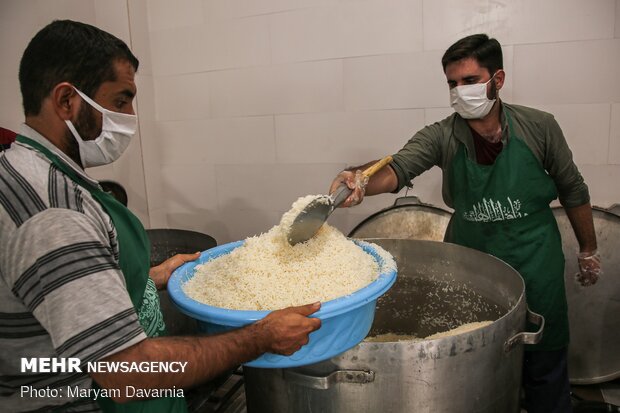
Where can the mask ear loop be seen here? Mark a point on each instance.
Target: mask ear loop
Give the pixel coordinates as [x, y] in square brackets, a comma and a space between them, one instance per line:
[111, 115]
[487, 82]
[90, 101]
[72, 129]
[496, 88]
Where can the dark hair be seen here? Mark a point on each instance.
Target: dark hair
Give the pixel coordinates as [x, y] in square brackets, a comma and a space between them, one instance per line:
[69, 51]
[487, 52]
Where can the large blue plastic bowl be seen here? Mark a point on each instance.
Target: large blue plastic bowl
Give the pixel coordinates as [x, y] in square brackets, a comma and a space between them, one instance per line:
[345, 320]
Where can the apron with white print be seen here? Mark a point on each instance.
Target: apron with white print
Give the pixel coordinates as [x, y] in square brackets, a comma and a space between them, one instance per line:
[503, 210]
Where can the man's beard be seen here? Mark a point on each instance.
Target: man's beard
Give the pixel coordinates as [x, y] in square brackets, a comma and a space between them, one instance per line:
[86, 126]
[493, 90]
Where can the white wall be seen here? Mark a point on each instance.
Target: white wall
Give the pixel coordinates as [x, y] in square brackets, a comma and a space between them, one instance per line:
[259, 102]
[246, 105]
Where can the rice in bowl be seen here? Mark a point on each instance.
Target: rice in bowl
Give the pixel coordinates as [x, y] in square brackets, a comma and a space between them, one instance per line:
[267, 273]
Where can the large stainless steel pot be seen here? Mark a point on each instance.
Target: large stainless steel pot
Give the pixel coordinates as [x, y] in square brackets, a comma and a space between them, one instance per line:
[439, 286]
[408, 218]
[594, 312]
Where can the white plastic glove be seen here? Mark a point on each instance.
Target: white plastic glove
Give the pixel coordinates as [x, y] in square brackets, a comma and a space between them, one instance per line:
[356, 182]
[360, 187]
[589, 268]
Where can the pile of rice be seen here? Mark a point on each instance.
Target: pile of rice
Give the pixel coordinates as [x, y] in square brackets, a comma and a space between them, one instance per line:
[393, 337]
[267, 273]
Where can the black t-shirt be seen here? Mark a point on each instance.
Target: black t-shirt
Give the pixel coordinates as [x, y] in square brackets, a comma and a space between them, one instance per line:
[486, 152]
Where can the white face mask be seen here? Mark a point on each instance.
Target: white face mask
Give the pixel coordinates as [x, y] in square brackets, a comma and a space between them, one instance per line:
[117, 129]
[471, 101]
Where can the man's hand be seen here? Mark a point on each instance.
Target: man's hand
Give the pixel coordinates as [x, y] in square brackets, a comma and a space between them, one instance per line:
[285, 331]
[384, 180]
[162, 272]
[356, 182]
[589, 268]
[589, 261]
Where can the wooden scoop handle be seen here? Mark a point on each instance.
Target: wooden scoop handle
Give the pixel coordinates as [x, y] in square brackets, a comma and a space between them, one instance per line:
[370, 171]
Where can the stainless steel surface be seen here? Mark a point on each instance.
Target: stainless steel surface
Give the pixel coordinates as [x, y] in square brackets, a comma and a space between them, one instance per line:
[528, 338]
[314, 215]
[329, 380]
[440, 286]
[223, 395]
[308, 222]
[611, 392]
[594, 312]
[408, 218]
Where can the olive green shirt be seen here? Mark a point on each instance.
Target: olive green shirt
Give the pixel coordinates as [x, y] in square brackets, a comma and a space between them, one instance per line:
[436, 145]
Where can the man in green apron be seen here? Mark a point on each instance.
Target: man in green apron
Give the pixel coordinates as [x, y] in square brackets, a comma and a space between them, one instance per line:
[74, 262]
[502, 166]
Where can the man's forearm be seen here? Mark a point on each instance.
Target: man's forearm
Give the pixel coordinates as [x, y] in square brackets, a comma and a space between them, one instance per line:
[384, 180]
[206, 357]
[583, 225]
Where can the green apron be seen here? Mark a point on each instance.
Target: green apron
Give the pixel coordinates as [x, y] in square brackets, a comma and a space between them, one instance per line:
[503, 210]
[134, 261]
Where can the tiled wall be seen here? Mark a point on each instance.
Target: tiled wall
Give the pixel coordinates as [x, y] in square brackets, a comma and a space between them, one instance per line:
[246, 105]
[260, 102]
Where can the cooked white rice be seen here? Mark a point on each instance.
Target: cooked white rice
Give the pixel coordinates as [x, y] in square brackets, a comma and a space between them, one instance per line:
[266, 273]
[463, 328]
[394, 337]
[298, 206]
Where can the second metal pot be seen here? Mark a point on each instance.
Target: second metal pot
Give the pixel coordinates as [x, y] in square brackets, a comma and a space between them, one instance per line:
[440, 286]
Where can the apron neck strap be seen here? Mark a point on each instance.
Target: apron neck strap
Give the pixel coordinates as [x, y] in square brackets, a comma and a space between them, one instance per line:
[511, 131]
[134, 246]
[58, 162]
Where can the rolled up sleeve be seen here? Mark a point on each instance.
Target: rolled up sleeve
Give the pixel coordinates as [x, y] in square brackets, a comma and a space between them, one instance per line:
[572, 189]
[419, 154]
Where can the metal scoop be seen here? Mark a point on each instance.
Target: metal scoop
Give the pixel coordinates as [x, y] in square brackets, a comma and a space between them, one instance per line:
[314, 215]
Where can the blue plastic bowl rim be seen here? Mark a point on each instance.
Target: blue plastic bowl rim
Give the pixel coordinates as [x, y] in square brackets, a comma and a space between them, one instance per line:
[238, 318]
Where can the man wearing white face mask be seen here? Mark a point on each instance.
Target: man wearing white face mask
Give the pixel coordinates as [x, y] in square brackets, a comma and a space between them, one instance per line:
[75, 281]
[516, 159]
[117, 130]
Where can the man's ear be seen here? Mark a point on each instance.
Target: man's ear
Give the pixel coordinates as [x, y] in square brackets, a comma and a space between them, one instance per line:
[65, 101]
[500, 77]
